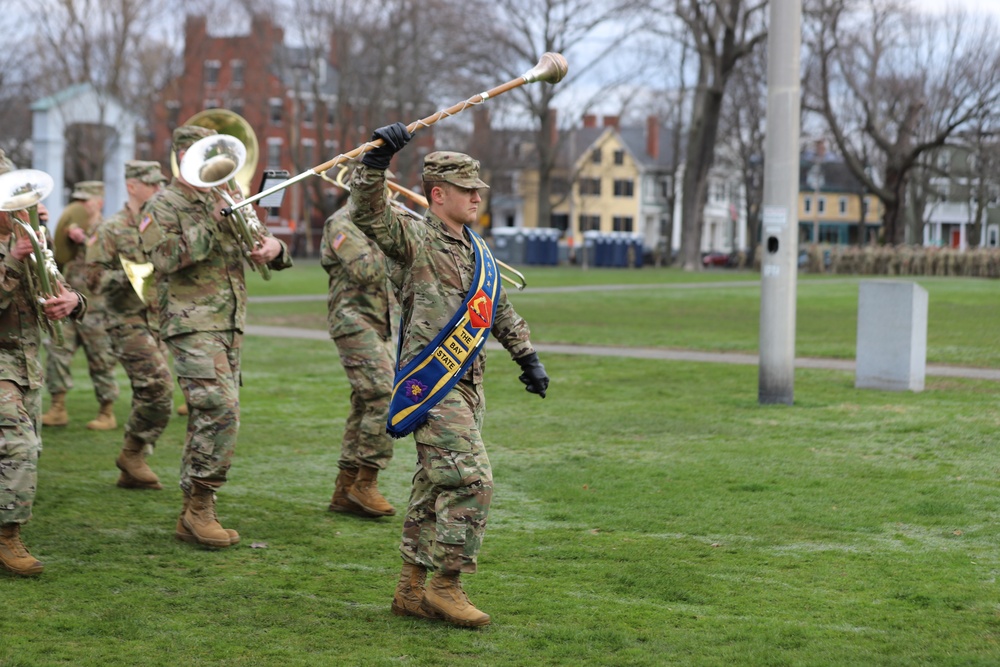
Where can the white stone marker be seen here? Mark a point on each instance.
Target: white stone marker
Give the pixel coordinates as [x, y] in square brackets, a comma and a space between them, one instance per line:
[892, 336]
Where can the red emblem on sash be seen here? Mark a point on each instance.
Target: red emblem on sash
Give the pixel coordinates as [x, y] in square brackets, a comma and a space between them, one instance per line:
[480, 310]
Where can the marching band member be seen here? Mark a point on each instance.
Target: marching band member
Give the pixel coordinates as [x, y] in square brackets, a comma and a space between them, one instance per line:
[132, 326]
[21, 387]
[202, 306]
[452, 300]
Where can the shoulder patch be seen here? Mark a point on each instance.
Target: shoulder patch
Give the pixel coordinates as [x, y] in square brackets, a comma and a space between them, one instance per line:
[338, 240]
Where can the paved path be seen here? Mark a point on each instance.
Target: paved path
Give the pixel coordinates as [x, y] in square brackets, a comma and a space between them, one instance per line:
[655, 353]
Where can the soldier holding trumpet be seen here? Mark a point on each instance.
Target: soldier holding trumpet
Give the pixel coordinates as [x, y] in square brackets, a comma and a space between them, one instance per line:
[21, 383]
[202, 305]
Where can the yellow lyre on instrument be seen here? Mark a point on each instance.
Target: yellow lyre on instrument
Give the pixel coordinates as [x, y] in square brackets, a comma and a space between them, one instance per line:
[20, 192]
[225, 163]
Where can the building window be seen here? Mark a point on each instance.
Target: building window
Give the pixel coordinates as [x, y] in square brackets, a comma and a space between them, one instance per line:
[619, 156]
[274, 153]
[992, 235]
[329, 114]
[595, 156]
[237, 67]
[664, 188]
[590, 186]
[276, 108]
[560, 221]
[212, 68]
[843, 205]
[236, 106]
[173, 114]
[308, 112]
[590, 223]
[211, 103]
[559, 186]
[821, 204]
[308, 151]
[624, 187]
[621, 223]
[807, 204]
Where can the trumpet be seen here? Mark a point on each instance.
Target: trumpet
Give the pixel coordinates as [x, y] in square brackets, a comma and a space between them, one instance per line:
[551, 68]
[340, 180]
[213, 162]
[20, 192]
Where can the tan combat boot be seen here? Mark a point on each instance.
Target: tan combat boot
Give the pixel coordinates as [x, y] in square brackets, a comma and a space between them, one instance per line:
[13, 555]
[340, 502]
[182, 409]
[365, 493]
[105, 419]
[410, 593]
[445, 596]
[56, 415]
[136, 474]
[184, 535]
[200, 519]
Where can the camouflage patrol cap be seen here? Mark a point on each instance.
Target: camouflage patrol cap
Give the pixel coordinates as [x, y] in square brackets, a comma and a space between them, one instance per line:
[144, 172]
[455, 168]
[185, 135]
[88, 190]
[5, 163]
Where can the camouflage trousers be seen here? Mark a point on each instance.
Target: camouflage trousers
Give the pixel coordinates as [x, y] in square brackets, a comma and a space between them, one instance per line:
[207, 364]
[141, 355]
[20, 446]
[452, 487]
[368, 361]
[93, 335]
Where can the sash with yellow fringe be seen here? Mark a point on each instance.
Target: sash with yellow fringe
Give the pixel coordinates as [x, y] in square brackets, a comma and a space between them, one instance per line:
[428, 378]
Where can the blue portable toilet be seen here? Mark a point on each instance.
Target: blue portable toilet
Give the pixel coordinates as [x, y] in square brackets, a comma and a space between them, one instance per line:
[619, 255]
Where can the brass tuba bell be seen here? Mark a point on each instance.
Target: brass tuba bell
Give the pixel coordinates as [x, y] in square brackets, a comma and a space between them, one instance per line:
[229, 123]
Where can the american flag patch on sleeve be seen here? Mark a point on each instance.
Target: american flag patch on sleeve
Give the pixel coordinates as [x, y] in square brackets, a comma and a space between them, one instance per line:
[144, 222]
[338, 240]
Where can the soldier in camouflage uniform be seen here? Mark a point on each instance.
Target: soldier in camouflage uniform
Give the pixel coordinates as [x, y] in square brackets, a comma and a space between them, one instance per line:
[132, 327]
[453, 484]
[21, 387]
[202, 306]
[77, 224]
[359, 311]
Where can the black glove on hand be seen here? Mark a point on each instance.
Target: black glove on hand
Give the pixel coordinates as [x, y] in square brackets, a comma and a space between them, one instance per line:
[534, 378]
[394, 137]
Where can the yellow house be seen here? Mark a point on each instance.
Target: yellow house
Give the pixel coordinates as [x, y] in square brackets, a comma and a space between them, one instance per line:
[830, 205]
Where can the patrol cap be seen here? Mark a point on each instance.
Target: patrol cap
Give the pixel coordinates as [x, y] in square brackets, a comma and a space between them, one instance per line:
[455, 168]
[5, 163]
[88, 190]
[185, 135]
[145, 172]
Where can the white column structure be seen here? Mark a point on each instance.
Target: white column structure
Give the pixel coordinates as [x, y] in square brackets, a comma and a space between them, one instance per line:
[52, 115]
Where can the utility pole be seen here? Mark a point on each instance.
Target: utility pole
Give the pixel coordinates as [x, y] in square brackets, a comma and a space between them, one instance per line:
[776, 376]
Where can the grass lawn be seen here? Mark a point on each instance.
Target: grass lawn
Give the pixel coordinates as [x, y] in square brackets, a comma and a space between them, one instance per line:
[645, 513]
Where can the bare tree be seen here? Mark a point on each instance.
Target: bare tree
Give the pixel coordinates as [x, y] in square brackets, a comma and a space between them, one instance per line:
[898, 85]
[16, 95]
[525, 29]
[108, 44]
[744, 128]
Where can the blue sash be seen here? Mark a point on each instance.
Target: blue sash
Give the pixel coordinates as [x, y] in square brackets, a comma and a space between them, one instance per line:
[431, 374]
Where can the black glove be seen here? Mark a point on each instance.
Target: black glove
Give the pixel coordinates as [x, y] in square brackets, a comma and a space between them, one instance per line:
[394, 137]
[534, 378]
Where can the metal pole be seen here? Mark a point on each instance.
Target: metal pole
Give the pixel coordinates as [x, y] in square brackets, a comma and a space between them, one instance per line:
[776, 381]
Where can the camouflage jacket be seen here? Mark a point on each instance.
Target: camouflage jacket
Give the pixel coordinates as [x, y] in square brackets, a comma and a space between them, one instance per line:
[199, 262]
[436, 272]
[360, 295]
[20, 333]
[117, 238]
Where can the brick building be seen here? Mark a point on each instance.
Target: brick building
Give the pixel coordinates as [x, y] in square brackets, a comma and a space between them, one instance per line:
[289, 99]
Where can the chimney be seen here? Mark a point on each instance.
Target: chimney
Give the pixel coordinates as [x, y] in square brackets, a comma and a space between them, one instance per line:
[589, 120]
[653, 137]
[612, 121]
[820, 149]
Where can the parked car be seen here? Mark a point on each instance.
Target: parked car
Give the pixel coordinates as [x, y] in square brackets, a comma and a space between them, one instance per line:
[717, 259]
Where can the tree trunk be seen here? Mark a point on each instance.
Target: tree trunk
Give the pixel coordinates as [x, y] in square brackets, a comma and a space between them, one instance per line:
[705, 116]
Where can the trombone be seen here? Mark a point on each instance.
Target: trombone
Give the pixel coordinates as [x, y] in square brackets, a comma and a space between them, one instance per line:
[213, 162]
[341, 181]
[22, 190]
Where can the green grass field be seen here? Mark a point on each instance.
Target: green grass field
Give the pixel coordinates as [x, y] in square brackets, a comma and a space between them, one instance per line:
[645, 513]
